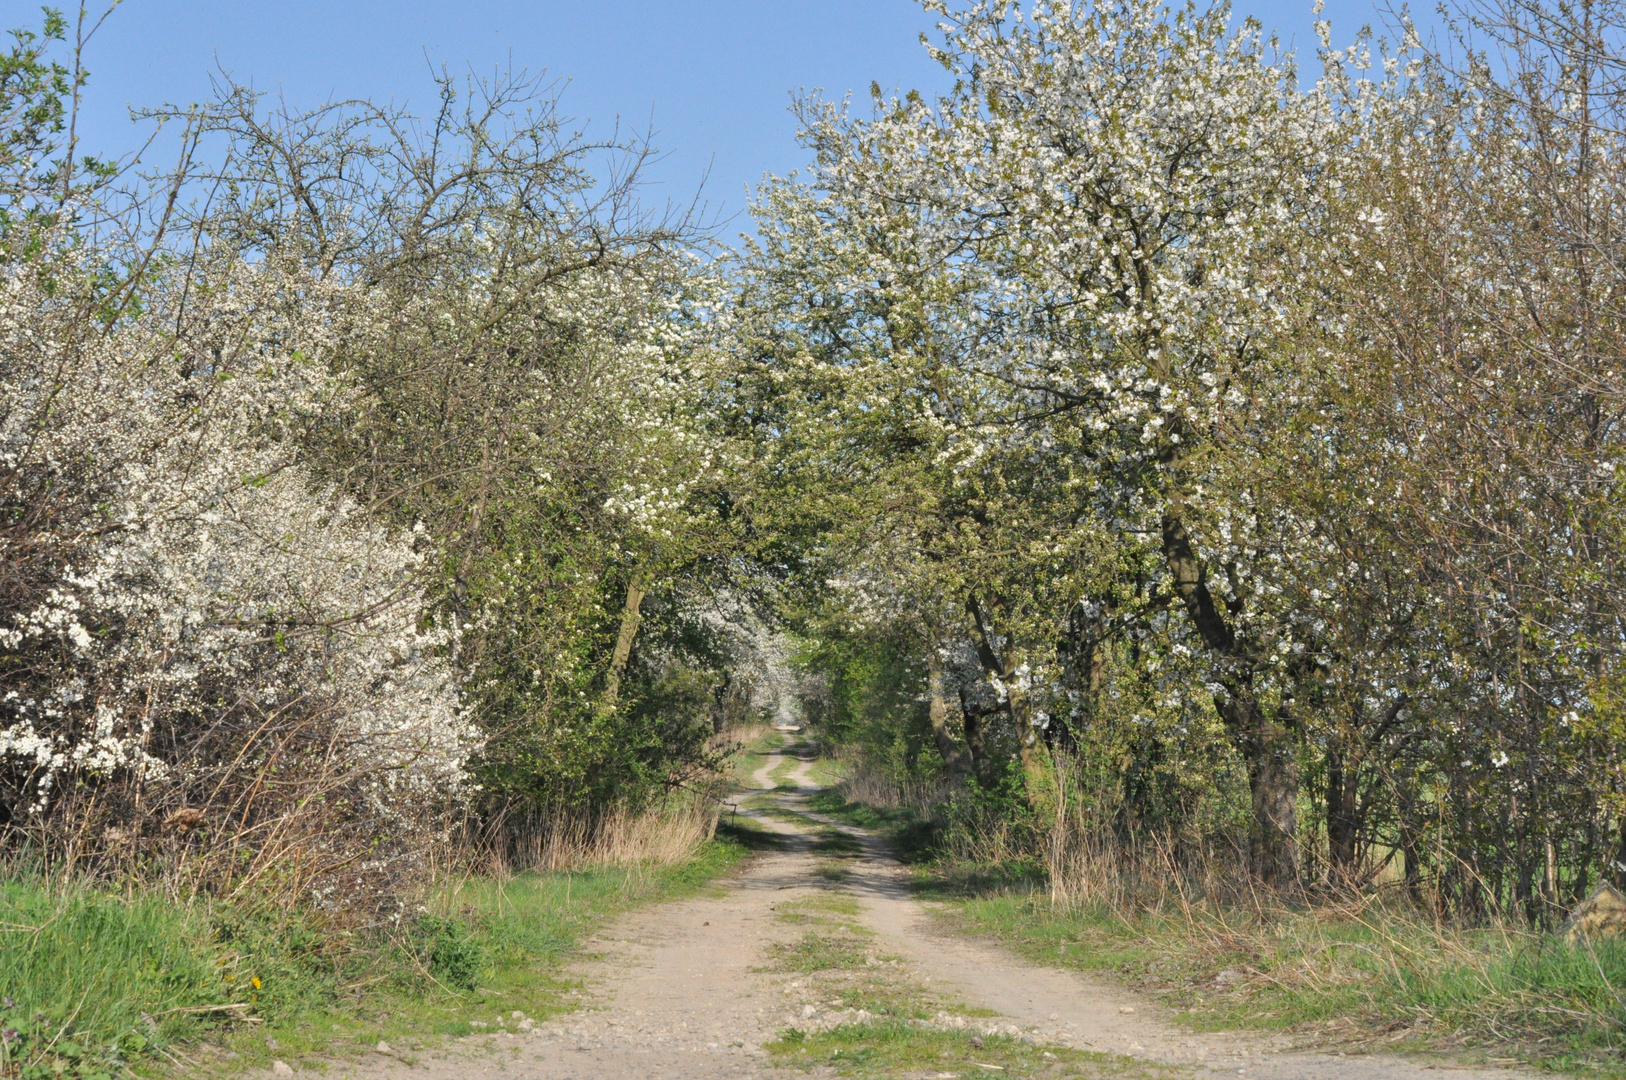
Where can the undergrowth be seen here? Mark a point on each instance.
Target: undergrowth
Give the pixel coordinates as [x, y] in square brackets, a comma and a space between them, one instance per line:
[95, 984]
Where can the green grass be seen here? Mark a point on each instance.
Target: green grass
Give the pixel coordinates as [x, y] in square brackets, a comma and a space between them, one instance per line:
[838, 960]
[90, 980]
[754, 754]
[95, 984]
[908, 837]
[520, 932]
[1372, 977]
[890, 1048]
[826, 772]
[781, 772]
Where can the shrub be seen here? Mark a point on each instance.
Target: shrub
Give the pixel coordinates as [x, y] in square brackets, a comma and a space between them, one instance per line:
[211, 662]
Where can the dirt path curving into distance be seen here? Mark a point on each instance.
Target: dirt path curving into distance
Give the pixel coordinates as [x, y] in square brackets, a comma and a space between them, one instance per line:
[679, 991]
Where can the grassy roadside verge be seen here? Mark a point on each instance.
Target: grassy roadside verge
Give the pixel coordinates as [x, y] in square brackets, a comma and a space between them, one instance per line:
[1361, 976]
[95, 984]
[99, 983]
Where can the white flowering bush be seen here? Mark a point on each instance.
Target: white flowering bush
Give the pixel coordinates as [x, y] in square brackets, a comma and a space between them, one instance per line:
[204, 653]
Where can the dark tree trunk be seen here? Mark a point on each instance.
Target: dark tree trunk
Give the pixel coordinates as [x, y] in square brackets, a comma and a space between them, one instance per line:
[1349, 758]
[1088, 674]
[1410, 848]
[1001, 663]
[976, 740]
[954, 758]
[1273, 780]
[1343, 818]
[1266, 742]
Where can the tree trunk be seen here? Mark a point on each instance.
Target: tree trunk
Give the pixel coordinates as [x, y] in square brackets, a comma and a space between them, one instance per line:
[1002, 663]
[976, 740]
[1410, 835]
[954, 759]
[1265, 741]
[1343, 817]
[1273, 781]
[631, 619]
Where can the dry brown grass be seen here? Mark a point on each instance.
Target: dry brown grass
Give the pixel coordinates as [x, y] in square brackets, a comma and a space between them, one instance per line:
[663, 835]
[288, 810]
[869, 786]
[732, 739]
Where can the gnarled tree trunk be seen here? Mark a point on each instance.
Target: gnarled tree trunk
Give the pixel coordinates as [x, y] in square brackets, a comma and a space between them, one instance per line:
[631, 619]
[1265, 740]
[954, 758]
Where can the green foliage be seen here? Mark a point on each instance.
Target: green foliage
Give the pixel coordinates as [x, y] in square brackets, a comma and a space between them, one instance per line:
[541, 679]
[34, 99]
[40, 174]
[864, 693]
[455, 959]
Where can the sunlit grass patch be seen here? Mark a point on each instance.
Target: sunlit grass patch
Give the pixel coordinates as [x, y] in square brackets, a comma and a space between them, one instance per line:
[818, 907]
[112, 984]
[834, 940]
[92, 981]
[816, 951]
[826, 772]
[517, 934]
[754, 753]
[780, 776]
[764, 802]
[894, 1047]
[845, 975]
[831, 870]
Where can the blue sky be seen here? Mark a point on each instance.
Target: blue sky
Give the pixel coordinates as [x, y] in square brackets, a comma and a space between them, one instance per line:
[713, 76]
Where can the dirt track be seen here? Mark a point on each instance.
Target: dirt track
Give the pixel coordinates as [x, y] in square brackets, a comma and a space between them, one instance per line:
[677, 992]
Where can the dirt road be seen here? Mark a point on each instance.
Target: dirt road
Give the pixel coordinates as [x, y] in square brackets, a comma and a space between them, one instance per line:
[684, 991]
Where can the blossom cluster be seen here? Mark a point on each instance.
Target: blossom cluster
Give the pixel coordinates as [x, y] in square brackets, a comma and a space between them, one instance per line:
[187, 610]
